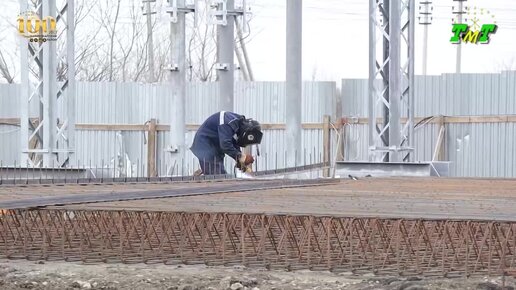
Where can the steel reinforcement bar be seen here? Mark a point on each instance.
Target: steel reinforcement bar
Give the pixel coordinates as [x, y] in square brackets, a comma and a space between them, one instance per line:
[25, 176]
[216, 187]
[382, 246]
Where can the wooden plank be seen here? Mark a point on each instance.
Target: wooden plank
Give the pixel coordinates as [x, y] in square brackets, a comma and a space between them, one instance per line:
[488, 119]
[119, 127]
[9, 121]
[342, 142]
[313, 126]
[447, 120]
[151, 149]
[457, 119]
[439, 151]
[110, 127]
[326, 144]
[15, 121]
[191, 127]
[307, 126]
[273, 126]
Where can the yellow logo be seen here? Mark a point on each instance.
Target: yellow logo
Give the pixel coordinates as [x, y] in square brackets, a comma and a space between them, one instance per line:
[30, 25]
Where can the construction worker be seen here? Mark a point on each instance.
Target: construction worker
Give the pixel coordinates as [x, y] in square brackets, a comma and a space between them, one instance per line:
[224, 133]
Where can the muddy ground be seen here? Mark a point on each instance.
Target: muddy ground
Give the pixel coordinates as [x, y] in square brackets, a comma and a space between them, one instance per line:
[21, 274]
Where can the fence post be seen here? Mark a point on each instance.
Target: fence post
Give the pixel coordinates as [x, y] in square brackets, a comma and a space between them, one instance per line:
[326, 145]
[442, 146]
[151, 149]
[342, 142]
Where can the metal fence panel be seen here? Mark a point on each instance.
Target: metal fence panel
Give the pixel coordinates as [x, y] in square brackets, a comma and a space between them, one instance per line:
[483, 150]
[474, 149]
[9, 134]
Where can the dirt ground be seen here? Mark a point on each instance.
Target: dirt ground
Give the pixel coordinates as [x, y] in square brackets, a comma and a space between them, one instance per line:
[21, 274]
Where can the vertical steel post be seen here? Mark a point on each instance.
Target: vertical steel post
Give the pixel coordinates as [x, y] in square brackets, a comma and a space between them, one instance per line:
[425, 19]
[459, 46]
[394, 78]
[150, 44]
[52, 133]
[411, 78]
[294, 84]
[178, 83]
[225, 58]
[70, 74]
[24, 93]
[395, 71]
[372, 77]
[425, 48]
[49, 85]
[384, 138]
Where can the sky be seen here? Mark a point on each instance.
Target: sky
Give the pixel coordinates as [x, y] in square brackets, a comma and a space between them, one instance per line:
[335, 39]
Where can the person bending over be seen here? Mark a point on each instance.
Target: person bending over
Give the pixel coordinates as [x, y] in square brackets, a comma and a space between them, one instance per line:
[224, 133]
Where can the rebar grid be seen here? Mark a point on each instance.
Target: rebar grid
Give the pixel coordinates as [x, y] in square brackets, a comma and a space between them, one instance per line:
[382, 246]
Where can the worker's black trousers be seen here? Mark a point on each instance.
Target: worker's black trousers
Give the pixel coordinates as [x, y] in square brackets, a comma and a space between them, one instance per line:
[212, 167]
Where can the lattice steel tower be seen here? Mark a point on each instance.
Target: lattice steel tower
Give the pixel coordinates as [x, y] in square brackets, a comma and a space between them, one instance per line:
[391, 80]
[47, 117]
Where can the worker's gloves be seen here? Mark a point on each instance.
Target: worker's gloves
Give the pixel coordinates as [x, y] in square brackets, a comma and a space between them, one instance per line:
[246, 159]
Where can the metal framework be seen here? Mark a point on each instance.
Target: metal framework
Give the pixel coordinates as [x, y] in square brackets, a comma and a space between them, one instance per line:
[294, 80]
[177, 76]
[194, 189]
[48, 83]
[382, 246]
[224, 13]
[23, 176]
[391, 80]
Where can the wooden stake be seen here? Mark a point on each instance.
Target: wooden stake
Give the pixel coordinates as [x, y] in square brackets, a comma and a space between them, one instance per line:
[151, 149]
[326, 145]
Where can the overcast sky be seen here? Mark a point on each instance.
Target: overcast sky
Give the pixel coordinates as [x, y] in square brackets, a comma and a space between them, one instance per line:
[335, 38]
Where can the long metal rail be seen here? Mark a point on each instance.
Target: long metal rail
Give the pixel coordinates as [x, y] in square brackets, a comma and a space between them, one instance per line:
[70, 176]
[240, 186]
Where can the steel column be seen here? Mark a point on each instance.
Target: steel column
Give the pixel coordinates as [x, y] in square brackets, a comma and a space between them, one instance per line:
[371, 86]
[394, 78]
[225, 57]
[178, 83]
[294, 84]
[48, 136]
[49, 89]
[391, 74]
[458, 60]
[26, 91]
[70, 76]
[410, 98]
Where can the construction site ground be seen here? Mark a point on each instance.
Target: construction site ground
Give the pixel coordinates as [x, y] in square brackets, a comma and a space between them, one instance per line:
[440, 198]
[460, 225]
[22, 274]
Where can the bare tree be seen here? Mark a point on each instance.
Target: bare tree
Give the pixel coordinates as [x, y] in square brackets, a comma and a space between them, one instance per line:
[110, 27]
[7, 71]
[507, 64]
[9, 55]
[136, 32]
[201, 49]
[111, 44]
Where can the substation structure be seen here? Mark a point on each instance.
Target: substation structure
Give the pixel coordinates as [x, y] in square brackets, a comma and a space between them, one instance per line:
[394, 226]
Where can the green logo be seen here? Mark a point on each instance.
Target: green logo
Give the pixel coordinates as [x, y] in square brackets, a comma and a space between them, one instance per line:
[463, 32]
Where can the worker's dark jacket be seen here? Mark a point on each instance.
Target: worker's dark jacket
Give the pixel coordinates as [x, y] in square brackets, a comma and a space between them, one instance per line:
[216, 137]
